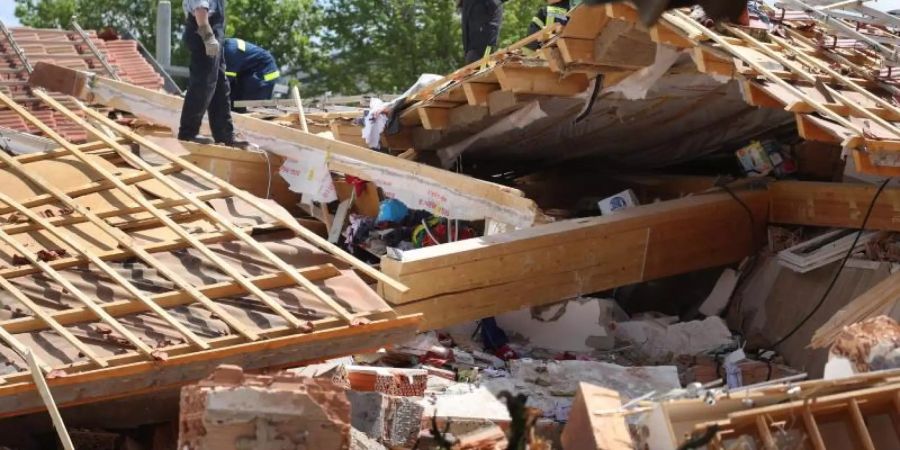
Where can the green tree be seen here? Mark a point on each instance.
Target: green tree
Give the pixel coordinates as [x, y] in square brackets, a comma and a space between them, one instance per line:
[286, 28]
[384, 45]
[517, 15]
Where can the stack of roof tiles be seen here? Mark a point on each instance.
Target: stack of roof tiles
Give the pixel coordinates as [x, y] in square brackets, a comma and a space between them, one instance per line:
[64, 48]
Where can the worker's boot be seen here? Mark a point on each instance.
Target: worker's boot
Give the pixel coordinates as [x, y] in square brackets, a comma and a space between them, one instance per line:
[198, 139]
[237, 143]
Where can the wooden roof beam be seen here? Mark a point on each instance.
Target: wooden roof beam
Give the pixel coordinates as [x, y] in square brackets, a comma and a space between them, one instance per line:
[540, 81]
[434, 118]
[477, 93]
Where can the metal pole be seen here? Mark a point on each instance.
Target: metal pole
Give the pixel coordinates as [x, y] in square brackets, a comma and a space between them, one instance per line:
[15, 47]
[93, 48]
[164, 33]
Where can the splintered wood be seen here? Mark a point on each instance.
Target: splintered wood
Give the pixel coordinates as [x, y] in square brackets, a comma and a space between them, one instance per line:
[120, 255]
[840, 91]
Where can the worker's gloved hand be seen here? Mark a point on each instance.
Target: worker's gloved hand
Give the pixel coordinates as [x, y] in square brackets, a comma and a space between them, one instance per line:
[209, 40]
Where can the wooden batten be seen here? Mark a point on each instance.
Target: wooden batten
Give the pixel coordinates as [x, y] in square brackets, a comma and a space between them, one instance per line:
[809, 130]
[709, 63]
[663, 33]
[574, 50]
[434, 118]
[585, 22]
[540, 81]
[131, 376]
[477, 93]
[756, 95]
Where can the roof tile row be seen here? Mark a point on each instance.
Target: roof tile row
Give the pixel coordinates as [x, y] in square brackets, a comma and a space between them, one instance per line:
[64, 48]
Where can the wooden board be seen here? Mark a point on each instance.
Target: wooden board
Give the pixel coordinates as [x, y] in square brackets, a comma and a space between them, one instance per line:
[595, 423]
[283, 349]
[480, 277]
[841, 205]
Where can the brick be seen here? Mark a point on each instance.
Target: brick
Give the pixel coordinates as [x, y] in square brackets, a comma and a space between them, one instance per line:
[277, 412]
[386, 380]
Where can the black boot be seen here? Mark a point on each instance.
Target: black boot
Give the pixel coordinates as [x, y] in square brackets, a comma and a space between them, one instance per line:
[237, 143]
[198, 139]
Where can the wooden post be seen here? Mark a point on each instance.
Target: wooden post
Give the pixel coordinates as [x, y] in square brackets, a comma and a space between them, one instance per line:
[295, 94]
[47, 397]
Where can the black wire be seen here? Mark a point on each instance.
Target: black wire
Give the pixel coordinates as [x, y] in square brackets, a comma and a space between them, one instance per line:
[743, 204]
[598, 82]
[837, 274]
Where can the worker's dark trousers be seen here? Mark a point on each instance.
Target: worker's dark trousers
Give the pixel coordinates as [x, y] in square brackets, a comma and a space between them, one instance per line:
[251, 87]
[207, 90]
[481, 20]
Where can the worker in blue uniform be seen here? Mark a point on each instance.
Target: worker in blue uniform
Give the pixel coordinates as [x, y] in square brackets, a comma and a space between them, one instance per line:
[251, 70]
[208, 90]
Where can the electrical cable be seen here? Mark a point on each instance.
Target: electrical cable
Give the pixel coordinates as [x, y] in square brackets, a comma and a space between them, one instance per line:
[742, 203]
[837, 274]
[598, 83]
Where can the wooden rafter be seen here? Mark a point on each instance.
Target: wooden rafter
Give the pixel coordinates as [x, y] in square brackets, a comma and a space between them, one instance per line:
[140, 211]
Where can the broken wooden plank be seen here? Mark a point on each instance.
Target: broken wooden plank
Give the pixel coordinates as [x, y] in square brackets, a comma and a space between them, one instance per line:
[839, 205]
[434, 118]
[132, 376]
[596, 421]
[553, 262]
[870, 304]
[477, 93]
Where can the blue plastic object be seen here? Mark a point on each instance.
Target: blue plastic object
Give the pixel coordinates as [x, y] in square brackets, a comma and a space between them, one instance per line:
[391, 210]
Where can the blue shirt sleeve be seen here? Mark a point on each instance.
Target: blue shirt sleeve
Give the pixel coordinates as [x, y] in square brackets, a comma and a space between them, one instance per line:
[191, 5]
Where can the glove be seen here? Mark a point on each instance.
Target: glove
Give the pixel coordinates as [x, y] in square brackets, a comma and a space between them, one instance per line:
[209, 40]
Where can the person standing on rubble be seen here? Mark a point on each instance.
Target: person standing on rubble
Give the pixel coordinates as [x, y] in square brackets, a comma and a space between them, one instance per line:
[251, 70]
[481, 21]
[208, 91]
[555, 11]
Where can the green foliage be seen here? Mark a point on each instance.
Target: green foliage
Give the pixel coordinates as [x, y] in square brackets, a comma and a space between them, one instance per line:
[283, 27]
[384, 45]
[517, 17]
[342, 46]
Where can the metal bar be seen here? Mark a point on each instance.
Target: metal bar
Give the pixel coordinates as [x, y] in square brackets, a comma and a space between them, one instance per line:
[890, 55]
[93, 48]
[18, 51]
